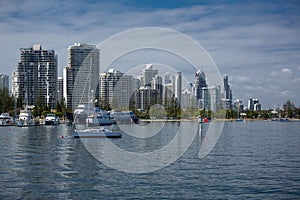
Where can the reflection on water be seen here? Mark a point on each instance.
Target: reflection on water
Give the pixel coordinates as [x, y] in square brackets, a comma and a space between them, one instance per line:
[255, 159]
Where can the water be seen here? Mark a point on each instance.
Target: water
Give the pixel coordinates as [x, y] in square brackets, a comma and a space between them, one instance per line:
[258, 160]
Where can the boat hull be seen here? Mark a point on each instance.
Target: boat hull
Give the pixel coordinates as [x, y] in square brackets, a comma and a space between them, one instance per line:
[97, 134]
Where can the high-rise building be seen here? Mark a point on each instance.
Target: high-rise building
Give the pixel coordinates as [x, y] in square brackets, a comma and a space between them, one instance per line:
[36, 76]
[227, 97]
[81, 75]
[211, 98]
[250, 104]
[156, 84]
[167, 78]
[60, 87]
[177, 86]
[198, 85]
[227, 90]
[239, 106]
[186, 98]
[147, 74]
[145, 97]
[4, 83]
[256, 105]
[116, 88]
[167, 94]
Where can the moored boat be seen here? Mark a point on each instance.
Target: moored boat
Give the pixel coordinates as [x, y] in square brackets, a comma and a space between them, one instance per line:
[6, 120]
[51, 119]
[26, 119]
[97, 133]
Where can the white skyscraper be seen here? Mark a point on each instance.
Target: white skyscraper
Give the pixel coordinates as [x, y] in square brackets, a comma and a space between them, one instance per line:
[82, 58]
[177, 85]
[156, 84]
[147, 74]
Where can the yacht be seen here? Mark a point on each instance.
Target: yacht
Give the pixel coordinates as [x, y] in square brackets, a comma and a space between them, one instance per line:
[51, 119]
[26, 118]
[125, 117]
[86, 114]
[6, 119]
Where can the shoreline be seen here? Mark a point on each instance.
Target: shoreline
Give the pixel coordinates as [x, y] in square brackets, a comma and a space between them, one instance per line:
[225, 120]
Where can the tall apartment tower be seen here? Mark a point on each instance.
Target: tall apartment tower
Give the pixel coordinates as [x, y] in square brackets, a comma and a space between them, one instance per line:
[4, 83]
[198, 85]
[60, 89]
[177, 86]
[36, 75]
[116, 88]
[82, 59]
[227, 97]
[167, 78]
[147, 74]
[227, 90]
[156, 84]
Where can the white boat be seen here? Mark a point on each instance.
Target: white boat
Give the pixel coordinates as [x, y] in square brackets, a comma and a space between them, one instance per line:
[6, 119]
[89, 115]
[97, 133]
[125, 117]
[86, 115]
[26, 118]
[51, 119]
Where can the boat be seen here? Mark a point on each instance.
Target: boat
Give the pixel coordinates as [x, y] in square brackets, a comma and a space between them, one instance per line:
[51, 119]
[25, 118]
[97, 133]
[6, 120]
[125, 117]
[91, 116]
[87, 116]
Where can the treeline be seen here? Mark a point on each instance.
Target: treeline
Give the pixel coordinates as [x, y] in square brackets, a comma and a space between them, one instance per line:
[288, 110]
[11, 105]
[6, 101]
[171, 110]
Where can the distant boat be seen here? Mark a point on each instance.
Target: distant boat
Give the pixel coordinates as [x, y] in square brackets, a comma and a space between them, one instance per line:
[204, 120]
[26, 118]
[279, 119]
[125, 117]
[51, 119]
[6, 119]
[97, 133]
[239, 120]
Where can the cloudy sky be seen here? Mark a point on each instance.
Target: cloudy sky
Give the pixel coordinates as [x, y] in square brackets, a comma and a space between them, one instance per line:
[256, 43]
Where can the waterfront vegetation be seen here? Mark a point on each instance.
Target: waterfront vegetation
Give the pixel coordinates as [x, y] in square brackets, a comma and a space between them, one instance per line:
[170, 111]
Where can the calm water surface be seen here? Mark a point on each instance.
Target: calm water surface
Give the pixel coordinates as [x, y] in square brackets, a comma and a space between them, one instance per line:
[256, 160]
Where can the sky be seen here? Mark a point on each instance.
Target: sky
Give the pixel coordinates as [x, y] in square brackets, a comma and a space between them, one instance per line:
[256, 43]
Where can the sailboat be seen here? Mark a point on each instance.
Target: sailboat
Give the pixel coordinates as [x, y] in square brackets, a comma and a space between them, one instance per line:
[91, 119]
[26, 117]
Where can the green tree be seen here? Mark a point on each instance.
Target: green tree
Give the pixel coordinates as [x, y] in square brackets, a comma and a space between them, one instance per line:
[104, 105]
[6, 101]
[289, 109]
[39, 106]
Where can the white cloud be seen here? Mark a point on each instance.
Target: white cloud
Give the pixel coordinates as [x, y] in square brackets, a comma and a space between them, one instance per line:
[286, 70]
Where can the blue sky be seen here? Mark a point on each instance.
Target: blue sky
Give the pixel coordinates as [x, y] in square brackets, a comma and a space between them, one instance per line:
[255, 42]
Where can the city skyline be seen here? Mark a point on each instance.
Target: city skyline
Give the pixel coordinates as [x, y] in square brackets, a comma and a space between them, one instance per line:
[255, 43]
